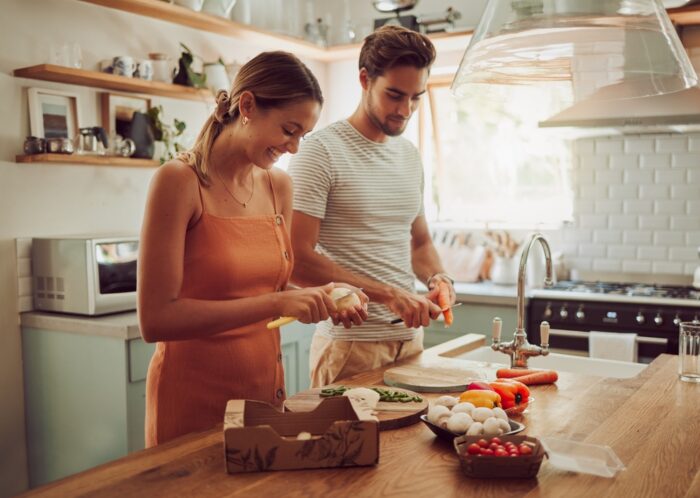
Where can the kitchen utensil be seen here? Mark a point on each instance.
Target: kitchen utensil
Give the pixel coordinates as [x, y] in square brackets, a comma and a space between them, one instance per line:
[284, 320]
[447, 435]
[432, 379]
[92, 140]
[487, 466]
[34, 145]
[399, 320]
[59, 145]
[689, 351]
[391, 414]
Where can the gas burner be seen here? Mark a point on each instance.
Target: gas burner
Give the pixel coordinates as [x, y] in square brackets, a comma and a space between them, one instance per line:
[628, 289]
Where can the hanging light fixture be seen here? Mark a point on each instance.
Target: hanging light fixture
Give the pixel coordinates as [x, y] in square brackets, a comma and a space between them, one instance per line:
[615, 49]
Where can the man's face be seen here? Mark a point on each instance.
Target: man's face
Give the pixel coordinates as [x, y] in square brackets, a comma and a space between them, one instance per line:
[392, 97]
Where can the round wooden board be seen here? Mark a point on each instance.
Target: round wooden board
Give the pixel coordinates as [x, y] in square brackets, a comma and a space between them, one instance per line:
[391, 415]
[424, 379]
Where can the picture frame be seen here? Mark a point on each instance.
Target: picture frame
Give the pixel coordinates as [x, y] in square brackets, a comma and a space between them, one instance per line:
[118, 110]
[53, 113]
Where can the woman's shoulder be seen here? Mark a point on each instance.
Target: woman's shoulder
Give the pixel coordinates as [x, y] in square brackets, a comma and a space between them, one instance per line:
[280, 180]
[176, 174]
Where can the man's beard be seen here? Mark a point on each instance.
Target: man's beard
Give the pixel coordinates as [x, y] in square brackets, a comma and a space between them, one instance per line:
[384, 126]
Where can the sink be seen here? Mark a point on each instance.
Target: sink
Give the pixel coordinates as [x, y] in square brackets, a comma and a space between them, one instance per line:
[562, 363]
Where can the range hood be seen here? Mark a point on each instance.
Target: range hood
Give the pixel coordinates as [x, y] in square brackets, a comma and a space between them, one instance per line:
[675, 112]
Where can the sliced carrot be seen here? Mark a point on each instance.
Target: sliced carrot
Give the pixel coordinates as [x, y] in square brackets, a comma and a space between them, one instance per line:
[542, 377]
[444, 303]
[511, 373]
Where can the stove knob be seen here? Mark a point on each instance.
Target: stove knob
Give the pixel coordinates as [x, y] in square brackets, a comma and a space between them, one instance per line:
[676, 320]
[563, 313]
[580, 314]
[658, 319]
[640, 318]
[547, 311]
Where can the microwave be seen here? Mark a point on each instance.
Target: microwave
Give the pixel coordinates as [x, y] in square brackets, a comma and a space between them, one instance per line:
[85, 275]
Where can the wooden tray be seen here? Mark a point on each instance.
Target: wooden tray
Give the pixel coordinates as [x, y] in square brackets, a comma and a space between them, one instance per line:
[391, 415]
[432, 379]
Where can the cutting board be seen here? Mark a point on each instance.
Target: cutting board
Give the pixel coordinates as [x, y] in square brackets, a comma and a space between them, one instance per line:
[391, 415]
[431, 379]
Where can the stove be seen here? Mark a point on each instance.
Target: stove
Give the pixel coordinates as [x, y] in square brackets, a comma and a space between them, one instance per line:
[575, 308]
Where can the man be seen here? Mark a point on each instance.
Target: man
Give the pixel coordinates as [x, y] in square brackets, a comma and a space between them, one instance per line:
[358, 213]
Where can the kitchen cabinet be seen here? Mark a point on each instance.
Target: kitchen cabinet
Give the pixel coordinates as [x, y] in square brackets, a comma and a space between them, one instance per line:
[471, 318]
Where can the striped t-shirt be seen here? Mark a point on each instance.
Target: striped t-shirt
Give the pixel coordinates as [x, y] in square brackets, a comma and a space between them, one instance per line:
[367, 195]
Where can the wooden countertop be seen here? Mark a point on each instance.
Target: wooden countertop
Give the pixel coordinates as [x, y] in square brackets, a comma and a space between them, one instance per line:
[651, 421]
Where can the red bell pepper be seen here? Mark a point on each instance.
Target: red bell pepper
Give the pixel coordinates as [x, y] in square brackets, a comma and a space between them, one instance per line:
[477, 385]
[513, 393]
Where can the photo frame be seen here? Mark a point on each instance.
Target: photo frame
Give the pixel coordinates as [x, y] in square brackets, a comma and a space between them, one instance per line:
[118, 110]
[53, 113]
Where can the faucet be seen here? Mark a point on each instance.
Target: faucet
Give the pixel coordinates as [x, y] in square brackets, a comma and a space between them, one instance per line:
[519, 349]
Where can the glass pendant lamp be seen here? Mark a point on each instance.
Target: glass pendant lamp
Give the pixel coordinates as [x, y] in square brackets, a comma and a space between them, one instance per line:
[610, 49]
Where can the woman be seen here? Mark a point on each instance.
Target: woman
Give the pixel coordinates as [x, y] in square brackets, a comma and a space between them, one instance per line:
[215, 255]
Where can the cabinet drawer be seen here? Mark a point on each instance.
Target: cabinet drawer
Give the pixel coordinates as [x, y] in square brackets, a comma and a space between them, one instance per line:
[139, 358]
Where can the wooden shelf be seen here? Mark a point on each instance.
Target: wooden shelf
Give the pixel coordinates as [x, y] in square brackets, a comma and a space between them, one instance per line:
[97, 79]
[88, 160]
[685, 16]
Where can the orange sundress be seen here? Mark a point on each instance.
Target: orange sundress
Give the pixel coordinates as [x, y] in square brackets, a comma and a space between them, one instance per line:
[189, 382]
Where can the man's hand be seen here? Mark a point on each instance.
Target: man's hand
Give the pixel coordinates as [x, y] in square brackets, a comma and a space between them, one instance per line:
[414, 309]
[434, 288]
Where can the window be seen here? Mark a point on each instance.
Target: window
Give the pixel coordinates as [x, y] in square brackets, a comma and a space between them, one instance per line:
[487, 163]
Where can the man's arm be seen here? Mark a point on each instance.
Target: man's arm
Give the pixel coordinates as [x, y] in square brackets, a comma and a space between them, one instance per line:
[310, 266]
[425, 259]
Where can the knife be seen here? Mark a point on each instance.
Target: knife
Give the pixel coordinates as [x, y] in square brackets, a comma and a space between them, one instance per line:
[284, 320]
[399, 320]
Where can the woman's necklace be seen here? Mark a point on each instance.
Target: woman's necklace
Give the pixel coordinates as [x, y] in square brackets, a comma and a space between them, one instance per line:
[252, 189]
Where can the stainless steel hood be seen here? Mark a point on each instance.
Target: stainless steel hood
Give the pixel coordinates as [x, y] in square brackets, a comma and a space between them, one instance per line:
[677, 112]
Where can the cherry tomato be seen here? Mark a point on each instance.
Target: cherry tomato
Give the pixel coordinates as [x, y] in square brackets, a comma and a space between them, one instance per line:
[525, 449]
[509, 444]
[473, 449]
[501, 453]
[494, 446]
[483, 443]
[486, 451]
[514, 452]
[496, 440]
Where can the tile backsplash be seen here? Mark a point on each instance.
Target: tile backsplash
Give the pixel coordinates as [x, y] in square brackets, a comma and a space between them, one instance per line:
[637, 205]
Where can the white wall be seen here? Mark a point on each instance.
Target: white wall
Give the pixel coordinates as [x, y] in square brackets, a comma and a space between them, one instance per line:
[37, 199]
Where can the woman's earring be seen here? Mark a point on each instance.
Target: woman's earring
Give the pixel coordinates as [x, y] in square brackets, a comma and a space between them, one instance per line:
[245, 120]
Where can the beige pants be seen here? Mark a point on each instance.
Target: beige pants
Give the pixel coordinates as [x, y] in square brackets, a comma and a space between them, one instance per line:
[331, 360]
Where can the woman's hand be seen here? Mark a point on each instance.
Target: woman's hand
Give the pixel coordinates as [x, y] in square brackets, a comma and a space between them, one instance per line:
[353, 314]
[308, 305]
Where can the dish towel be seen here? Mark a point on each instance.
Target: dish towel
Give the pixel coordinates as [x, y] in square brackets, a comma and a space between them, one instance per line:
[612, 346]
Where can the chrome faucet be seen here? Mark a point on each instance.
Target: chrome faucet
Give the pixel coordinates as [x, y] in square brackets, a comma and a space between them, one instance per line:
[519, 349]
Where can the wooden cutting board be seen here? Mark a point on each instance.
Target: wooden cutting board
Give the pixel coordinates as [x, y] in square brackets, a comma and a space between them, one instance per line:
[391, 415]
[432, 379]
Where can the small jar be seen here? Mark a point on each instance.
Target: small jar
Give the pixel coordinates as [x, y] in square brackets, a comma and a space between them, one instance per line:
[34, 145]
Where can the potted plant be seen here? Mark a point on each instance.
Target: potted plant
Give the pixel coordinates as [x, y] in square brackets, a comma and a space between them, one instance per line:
[166, 133]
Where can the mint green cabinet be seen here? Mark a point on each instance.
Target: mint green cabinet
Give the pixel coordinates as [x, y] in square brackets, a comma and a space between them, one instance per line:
[296, 342]
[472, 318]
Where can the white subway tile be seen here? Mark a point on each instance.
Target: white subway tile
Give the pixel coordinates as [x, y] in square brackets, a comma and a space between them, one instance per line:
[637, 236]
[24, 267]
[638, 176]
[639, 144]
[611, 265]
[608, 146]
[685, 223]
[593, 162]
[593, 221]
[591, 250]
[578, 235]
[623, 221]
[693, 208]
[667, 267]
[688, 192]
[623, 191]
[689, 268]
[670, 176]
[669, 238]
[669, 207]
[581, 263]
[24, 286]
[608, 207]
[636, 266]
[654, 222]
[652, 252]
[671, 144]
[655, 161]
[584, 146]
[692, 238]
[584, 206]
[683, 254]
[693, 176]
[638, 207]
[654, 192]
[624, 161]
[25, 303]
[694, 143]
[593, 191]
[23, 247]
[607, 236]
[608, 177]
[622, 252]
[584, 176]
[689, 161]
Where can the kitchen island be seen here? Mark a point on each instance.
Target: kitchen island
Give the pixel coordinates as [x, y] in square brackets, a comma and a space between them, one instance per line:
[650, 421]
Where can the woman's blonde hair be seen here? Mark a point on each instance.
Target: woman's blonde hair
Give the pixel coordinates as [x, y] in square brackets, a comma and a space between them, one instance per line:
[275, 79]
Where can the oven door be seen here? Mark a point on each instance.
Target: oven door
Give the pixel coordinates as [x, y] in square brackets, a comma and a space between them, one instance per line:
[575, 342]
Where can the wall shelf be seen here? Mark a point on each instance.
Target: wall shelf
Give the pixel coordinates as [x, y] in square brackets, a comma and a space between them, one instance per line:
[88, 160]
[97, 79]
[685, 16]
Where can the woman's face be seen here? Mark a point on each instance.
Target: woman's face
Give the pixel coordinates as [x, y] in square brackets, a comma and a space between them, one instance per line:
[276, 131]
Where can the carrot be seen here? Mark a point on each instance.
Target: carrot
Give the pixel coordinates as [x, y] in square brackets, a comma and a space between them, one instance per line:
[511, 373]
[541, 377]
[444, 303]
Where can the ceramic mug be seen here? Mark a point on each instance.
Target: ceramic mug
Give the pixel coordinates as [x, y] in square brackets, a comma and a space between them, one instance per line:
[123, 65]
[162, 68]
[144, 70]
[221, 8]
[195, 5]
